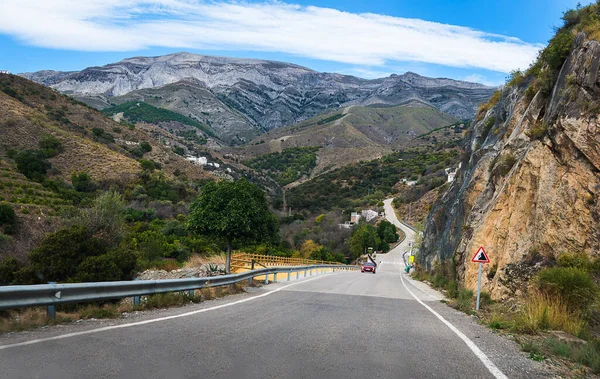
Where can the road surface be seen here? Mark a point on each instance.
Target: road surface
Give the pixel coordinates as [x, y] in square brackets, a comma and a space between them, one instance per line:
[343, 325]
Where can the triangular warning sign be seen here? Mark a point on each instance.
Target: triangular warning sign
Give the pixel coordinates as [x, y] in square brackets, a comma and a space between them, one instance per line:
[481, 256]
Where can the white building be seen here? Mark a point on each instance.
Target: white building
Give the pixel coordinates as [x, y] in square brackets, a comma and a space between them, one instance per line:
[354, 218]
[4, 72]
[369, 215]
[200, 161]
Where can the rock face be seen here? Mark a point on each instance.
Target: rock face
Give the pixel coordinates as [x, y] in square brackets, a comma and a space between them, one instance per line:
[528, 191]
[257, 95]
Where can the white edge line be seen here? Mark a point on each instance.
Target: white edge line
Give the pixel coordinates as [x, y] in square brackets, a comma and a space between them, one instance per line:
[103, 329]
[476, 350]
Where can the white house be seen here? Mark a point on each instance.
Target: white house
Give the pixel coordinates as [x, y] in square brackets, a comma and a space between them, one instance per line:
[369, 214]
[4, 72]
[354, 218]
[200, 161]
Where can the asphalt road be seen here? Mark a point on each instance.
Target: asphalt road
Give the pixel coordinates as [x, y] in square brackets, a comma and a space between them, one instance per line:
[342, 325]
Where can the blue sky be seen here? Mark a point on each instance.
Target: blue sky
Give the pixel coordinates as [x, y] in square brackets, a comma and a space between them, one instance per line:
[474, 40]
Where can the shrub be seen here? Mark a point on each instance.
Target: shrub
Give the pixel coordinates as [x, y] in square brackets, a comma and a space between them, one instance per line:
[149, 165]
[179, 150]
[7, 215]
[145, 146]
[8, 268]
[50, 145]
[61, 253]
[97, 269]
[98, 132]
[464, 301]
[505, 164]
[82, 182]
[573, 285]
[537, 131]
[32, 164]
[452, 289]
[487, 126]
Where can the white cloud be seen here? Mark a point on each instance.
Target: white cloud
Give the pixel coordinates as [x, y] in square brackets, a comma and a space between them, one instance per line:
[313, 32]
[476, 78]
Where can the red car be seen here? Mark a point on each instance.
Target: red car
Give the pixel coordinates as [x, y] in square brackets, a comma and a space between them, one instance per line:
[368, 267]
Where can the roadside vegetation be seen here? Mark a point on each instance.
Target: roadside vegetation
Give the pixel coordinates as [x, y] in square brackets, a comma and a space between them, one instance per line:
[562, 296]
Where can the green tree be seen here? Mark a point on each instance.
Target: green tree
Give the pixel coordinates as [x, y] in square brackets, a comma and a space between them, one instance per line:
[233, 211]
[363, 237]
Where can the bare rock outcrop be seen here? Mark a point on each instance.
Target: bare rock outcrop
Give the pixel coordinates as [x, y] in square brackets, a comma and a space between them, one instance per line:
[530, 185]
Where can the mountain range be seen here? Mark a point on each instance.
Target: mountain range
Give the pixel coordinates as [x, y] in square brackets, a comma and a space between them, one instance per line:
[240, 99]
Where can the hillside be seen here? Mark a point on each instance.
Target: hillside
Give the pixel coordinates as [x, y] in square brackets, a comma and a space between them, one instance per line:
[242, 98]
[529, 186]
[367, 183]
[48, 137]
[353, 134]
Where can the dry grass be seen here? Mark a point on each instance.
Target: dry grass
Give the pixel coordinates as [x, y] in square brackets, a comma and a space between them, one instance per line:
[31, 318]
[541, 312]
[197, 260]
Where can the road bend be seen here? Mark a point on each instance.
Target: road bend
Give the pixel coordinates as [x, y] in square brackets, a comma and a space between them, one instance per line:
[341, 325]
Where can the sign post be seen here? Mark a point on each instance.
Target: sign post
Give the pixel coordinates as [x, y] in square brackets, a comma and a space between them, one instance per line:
[480, 257]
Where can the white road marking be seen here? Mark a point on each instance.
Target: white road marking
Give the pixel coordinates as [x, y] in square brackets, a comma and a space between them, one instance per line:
[103, 329]
[476, 350]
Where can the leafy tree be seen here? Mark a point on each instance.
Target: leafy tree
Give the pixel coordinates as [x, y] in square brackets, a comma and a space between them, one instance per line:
[82, 182]
[32, 164]
[233, 211]
[363, 237]
[308, 248]
[387, 231]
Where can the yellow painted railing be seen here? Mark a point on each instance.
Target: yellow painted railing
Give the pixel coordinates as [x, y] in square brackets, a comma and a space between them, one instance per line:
[243, 261]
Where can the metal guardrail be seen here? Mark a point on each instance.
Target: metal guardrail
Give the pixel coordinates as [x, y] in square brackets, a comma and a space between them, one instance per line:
[409, 226]
[50, 295]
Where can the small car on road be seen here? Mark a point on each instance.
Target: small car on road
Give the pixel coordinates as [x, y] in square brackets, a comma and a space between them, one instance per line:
[368, 267]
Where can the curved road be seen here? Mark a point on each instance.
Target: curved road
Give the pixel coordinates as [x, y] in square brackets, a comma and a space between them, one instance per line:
[343, 325]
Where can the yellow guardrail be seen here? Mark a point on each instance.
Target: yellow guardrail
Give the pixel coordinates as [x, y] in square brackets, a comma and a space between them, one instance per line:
[241, 262]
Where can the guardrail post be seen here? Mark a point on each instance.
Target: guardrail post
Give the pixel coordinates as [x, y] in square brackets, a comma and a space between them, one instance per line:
[274, 277]
[51, 309]
[266, 278]
[289, 274]
[305, 272]
[250, 281]
[136, 300]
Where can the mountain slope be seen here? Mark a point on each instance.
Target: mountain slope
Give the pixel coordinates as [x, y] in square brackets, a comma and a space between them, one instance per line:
[243, 97]
[528, 190]
[351, 135]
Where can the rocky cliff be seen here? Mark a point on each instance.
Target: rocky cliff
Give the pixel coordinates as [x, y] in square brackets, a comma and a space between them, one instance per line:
[529, 185]
[257, 95]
